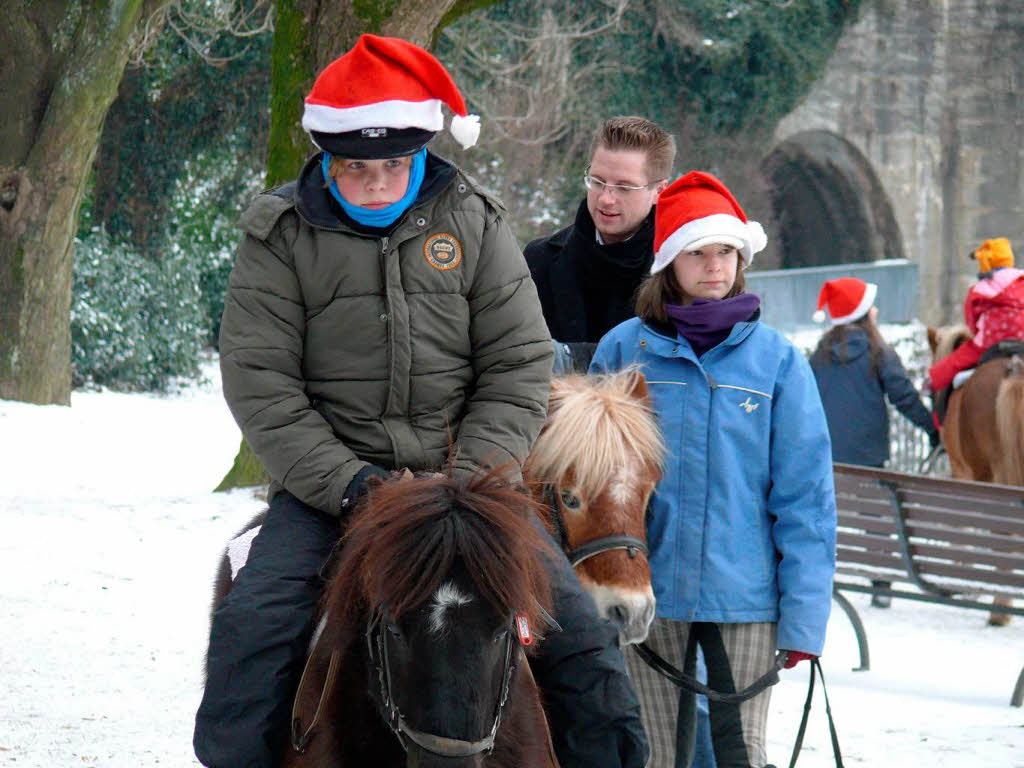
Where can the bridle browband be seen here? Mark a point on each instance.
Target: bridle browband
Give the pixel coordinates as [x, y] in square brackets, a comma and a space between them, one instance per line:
[377, 645]
[589, 549]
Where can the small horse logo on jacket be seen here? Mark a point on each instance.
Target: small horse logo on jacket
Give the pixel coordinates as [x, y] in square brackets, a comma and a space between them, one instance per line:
[749, 406]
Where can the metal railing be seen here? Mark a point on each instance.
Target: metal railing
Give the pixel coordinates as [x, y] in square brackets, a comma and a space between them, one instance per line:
[789, 296]
[908, 445]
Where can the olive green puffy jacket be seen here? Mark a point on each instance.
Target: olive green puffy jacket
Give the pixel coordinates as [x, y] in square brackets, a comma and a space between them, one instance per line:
[340, 349]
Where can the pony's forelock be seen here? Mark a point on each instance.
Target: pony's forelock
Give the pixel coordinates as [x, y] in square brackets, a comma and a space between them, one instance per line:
[621, 430]
[403, 543]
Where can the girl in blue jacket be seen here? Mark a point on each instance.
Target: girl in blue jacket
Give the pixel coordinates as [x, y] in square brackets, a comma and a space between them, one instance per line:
[742, 524]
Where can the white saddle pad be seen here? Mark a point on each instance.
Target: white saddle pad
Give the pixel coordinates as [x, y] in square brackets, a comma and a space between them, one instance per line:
[238, 550]
[960, 378]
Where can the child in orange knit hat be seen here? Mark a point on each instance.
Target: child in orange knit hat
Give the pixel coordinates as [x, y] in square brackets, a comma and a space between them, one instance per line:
[993, 310]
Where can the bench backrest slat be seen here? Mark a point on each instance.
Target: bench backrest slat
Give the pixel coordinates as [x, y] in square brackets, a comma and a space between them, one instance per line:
[957, 530]
[1004, 518]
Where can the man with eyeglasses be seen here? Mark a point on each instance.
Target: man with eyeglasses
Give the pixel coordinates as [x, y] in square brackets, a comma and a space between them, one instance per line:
[587, 274]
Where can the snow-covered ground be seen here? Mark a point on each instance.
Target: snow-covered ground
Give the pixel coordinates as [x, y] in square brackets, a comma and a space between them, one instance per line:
[109, 536]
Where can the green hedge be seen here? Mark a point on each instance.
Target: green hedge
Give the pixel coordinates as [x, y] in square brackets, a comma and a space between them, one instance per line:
[136, 323]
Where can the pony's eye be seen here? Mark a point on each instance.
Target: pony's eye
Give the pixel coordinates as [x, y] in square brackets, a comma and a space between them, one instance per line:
[393, 629]
[570, 500]
[501, 634]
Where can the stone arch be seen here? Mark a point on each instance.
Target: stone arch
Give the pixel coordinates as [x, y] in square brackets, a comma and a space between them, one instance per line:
[828, 204]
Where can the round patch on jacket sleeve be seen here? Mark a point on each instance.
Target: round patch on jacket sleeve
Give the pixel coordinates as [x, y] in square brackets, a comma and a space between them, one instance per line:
[443, 251]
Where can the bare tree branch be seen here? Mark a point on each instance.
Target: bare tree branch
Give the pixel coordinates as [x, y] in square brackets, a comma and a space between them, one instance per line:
[200, 23]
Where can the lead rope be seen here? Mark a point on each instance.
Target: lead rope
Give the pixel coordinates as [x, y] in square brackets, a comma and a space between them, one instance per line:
[816, 670]
[301, 742]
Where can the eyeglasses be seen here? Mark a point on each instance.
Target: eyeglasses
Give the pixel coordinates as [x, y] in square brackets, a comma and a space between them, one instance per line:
[599, 186]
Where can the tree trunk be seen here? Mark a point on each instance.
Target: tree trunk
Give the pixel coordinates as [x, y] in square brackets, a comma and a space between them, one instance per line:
[308, 35]
[65, 62]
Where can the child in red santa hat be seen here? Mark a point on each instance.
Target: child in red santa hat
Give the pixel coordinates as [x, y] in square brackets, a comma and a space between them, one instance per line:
[380, 308]
[856, 371]
[742, 524]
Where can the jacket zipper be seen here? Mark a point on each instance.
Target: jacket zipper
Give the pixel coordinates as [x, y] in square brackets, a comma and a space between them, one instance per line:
[386, 319]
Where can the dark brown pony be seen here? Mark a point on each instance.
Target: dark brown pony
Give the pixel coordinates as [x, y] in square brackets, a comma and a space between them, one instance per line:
[983, 431]
[419, 659]
[595, 465]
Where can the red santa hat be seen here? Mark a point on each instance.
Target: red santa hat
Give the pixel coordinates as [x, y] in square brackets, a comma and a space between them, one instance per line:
[847, 299]
[385, 92]
[697, 210]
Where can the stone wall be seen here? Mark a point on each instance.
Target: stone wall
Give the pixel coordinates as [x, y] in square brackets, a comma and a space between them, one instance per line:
[925, 98]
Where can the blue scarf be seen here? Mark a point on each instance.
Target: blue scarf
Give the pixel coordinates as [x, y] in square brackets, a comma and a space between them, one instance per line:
[380, 217]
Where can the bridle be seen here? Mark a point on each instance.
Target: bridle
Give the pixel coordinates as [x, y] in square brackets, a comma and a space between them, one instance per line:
[587, 550]
[654, 661]
[377, 645]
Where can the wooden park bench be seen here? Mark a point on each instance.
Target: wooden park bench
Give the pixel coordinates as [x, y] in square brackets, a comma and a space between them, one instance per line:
[954, 542]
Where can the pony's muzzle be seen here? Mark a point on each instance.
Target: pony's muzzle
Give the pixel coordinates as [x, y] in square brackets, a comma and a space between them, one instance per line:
[632, 615]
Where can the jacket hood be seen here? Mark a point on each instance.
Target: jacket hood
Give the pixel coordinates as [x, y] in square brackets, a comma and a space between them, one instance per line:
[849, 346]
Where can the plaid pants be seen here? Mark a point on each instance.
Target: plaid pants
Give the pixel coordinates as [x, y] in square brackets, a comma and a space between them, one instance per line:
[736, 655]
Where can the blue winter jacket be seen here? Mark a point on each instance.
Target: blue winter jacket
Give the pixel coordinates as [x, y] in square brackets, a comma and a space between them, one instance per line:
[743, 522]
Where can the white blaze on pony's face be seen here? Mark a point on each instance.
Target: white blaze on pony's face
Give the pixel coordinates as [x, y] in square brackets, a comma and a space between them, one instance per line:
[619, 582]
[447, 596]
[623, 486]
[601, 451]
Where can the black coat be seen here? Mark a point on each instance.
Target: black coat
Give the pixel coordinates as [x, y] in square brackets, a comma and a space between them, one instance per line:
[586, 288]
[854, 399]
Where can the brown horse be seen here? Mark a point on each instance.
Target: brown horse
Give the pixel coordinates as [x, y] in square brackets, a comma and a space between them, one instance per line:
[594, 466]
[983, 431]
[419, 659]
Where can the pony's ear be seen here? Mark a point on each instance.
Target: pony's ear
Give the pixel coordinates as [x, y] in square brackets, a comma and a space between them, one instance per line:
[559, 389]
[933, 339]
[636, 385]
[558, 384]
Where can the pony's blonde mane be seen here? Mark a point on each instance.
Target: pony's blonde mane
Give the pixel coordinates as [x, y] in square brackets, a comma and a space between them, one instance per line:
[946, 339]
[595, 426]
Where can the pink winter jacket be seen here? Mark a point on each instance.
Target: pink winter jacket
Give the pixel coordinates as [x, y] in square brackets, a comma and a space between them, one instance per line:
[994, 311]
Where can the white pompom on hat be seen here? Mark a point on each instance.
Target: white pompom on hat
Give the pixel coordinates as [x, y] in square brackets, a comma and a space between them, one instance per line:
[386, 83]
[847, 299]
[697, 210]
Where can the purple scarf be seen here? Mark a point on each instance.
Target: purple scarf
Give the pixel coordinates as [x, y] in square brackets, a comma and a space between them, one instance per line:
[708, 322]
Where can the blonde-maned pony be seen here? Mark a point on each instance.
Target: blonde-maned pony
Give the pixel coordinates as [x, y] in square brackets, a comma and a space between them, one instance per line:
[601, 452]
[983, 431]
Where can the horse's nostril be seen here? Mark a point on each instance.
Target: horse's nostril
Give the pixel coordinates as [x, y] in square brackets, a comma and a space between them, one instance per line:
[619, 615]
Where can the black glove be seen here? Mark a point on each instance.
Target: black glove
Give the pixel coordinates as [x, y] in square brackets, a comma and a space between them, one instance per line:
[360, 484]
[934, 438]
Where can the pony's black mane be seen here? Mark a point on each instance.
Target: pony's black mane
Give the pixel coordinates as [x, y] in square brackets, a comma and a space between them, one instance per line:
[409, 535]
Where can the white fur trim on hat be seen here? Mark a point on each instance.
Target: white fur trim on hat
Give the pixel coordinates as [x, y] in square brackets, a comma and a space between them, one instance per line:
[748, 238]
[382, 114]
[465, 130]
[866, 302]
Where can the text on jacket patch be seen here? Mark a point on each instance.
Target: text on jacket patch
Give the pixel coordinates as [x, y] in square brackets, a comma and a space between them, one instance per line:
[443, 251]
